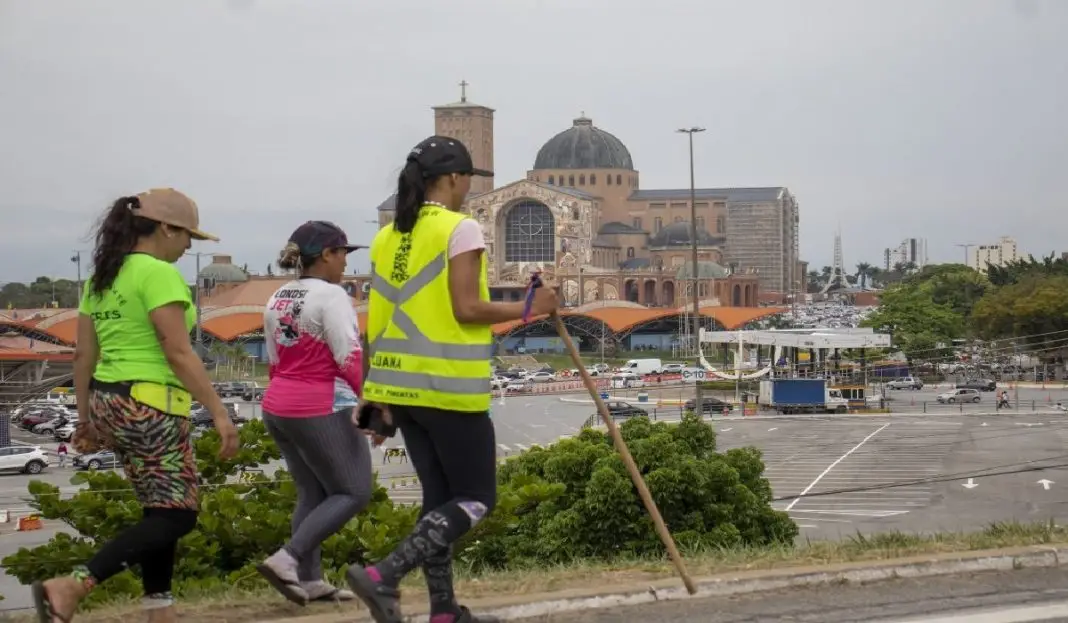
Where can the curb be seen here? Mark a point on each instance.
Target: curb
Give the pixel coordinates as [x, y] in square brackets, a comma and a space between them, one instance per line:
[521, 607]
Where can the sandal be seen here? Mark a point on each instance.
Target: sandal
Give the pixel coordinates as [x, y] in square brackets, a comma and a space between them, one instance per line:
[292, 591]
[383, 601]
[45, 612]
[335, 595]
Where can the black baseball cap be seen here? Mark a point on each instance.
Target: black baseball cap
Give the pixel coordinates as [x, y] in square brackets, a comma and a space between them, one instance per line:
[314, 237]
[441, 155]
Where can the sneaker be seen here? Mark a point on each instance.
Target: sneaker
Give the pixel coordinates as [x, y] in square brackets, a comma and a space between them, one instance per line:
[324, 591]
[280, 570]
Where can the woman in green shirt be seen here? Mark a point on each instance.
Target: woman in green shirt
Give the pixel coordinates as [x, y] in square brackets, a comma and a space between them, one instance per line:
[135, 375]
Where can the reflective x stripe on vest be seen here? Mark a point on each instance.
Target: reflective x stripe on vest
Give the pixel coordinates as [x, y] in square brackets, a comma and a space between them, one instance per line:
[417, 343]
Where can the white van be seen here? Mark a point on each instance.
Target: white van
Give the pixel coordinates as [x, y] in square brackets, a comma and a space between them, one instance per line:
[642, 367]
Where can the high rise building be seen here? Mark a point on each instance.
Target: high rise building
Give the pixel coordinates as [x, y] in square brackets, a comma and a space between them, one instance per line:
[998, 254]
[910, 251]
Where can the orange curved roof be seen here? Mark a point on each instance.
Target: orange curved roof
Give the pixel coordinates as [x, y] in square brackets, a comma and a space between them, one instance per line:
[619, 319]
[233, 326]
[65, 331]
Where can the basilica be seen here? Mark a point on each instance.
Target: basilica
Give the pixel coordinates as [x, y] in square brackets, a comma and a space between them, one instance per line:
[582, 218]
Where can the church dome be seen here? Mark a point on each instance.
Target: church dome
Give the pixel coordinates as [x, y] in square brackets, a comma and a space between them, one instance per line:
[678, 235]
[584, 146]
[223, 273]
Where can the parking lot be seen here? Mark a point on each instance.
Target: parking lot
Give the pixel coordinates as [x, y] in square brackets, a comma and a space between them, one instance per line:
[837, 476]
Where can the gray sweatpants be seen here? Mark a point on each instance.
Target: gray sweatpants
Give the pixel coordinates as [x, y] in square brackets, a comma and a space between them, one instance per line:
[330, 462]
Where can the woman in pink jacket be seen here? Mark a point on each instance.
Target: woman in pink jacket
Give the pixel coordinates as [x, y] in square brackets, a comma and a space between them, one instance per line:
[312, 340]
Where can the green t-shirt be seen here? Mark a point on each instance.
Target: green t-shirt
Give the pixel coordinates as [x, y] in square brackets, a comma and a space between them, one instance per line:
[129, 347]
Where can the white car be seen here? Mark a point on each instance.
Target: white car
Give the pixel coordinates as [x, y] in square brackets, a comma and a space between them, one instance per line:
[672, 368]
[23, 459]
[959, 395]
[542, 377]
[499, 382]
[623, 380]
[64, 433]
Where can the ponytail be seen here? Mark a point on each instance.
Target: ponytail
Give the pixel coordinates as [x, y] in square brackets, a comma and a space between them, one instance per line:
[116, 236]
[411, 194]
[290, 258]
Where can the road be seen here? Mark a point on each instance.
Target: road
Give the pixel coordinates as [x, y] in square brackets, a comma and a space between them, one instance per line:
[1008, 597]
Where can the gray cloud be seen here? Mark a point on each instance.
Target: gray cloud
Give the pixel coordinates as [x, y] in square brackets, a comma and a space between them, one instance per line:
[930, 119]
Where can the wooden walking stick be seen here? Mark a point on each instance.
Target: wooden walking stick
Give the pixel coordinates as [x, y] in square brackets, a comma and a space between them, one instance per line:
[617, 439]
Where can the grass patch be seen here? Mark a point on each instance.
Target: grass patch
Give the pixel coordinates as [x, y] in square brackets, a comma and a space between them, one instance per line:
[257, 603]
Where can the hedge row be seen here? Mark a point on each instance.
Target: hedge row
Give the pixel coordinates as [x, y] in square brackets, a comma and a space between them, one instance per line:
[570, 501]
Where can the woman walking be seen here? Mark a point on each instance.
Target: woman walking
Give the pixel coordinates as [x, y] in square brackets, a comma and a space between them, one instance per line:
[135, 377]
[314, 351]
[429, 329]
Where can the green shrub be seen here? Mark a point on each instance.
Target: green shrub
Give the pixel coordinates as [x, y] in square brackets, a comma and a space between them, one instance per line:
[571, 500]
[239, 524]
[575, 499]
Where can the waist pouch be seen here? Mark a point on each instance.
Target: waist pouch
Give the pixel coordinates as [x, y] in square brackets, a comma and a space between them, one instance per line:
[164, 398]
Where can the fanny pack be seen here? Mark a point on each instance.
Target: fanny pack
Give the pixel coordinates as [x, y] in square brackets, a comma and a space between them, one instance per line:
[164, 398]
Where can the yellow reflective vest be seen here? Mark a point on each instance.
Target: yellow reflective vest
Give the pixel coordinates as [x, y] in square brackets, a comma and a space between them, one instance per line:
[420, 354]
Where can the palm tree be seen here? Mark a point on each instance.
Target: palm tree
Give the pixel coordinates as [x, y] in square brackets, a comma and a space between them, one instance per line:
[863, 271]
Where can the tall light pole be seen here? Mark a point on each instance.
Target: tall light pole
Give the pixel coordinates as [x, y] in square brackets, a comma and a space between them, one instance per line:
[196, 297]
[693, 250]
[77, 260]
[966, 247]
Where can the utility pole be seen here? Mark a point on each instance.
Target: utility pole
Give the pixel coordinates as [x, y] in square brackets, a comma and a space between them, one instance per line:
[967, 247]
[696, 274]
[77, 260]
[196, 300]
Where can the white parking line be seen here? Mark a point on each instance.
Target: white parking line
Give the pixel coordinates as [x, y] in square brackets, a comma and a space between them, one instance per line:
[835, 463]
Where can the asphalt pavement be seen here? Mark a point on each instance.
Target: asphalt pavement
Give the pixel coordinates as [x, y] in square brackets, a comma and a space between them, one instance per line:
[993, 597]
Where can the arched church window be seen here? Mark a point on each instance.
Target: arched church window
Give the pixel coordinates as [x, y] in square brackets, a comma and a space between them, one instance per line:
[529, 233]
[721, 224]
[630, 252]
[582, 180]
[593, 179]
[571, 181]
[619, 179]
[609, 180]
[551, 181]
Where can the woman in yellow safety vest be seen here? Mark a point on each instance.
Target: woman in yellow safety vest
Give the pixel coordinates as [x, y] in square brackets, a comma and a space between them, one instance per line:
[430, 345]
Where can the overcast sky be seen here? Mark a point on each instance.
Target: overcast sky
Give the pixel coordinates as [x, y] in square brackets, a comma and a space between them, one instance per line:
[942, 119]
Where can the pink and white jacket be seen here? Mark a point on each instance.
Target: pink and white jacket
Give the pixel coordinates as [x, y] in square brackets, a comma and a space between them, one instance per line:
[312, 336]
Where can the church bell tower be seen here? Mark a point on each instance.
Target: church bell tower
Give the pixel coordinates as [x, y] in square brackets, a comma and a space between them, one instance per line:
[472, 125]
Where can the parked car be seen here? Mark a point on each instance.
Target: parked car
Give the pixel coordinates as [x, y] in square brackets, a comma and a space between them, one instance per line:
[542, 377]
[959, 395]
[49, 428]
[64, 433]
[23, 459]
[983, 385]
[97, 460]
[620, 409]
[709, 404]
[909, 382]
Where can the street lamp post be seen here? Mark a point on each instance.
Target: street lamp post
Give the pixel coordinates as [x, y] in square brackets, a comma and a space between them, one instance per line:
[77, 260]
[693, 250]
[196, 298]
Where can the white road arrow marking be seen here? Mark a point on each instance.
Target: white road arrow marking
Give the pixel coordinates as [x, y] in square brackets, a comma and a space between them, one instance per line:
[1045, 483]
[1029, 424]
[771, 429]
[726, 430]
[971, 484]
[983, 424]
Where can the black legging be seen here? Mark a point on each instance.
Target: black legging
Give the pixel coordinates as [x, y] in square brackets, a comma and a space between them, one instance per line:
[454, 454]
[151, 543]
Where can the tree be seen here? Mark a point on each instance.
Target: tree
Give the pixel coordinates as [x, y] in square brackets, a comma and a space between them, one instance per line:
[920, 327]
[575, 500]
[42, 293]
[863, 272]
[1019, 269]
[1035, 306]
[956, 285]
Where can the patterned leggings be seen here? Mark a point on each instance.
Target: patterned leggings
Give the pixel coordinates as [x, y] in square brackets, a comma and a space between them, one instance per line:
[155, 448]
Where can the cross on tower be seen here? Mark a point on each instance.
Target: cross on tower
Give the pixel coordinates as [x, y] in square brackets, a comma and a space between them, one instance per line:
[463, 90]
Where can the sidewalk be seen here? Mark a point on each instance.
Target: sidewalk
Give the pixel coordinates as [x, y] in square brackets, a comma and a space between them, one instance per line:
[733, 584]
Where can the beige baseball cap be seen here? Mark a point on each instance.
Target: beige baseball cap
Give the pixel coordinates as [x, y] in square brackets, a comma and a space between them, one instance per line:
[167, 205]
